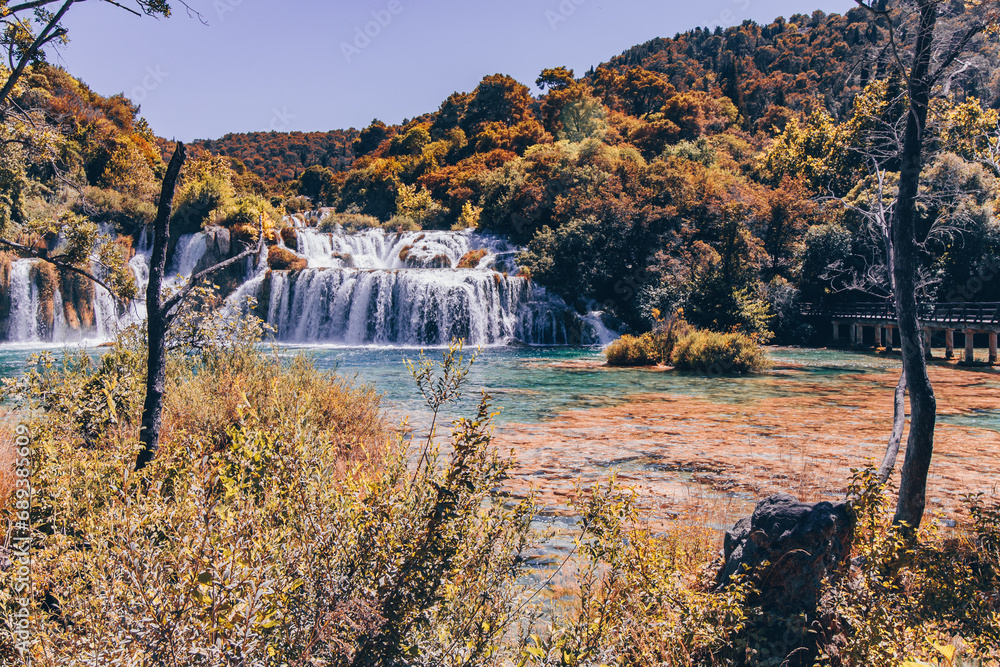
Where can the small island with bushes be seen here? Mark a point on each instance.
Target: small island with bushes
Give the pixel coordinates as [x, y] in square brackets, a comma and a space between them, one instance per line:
[676, 343]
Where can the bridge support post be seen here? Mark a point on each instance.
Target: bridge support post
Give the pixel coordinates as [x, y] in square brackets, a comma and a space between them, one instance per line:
[836, 333]
[970, 348]
[855, 335]
[878, 335]
[927, 342]
[888, 338]
[949, 343]
[993, 347]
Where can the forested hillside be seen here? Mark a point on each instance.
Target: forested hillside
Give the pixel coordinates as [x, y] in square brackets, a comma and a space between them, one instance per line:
[278, 157]
[722, 172]
[726, 173]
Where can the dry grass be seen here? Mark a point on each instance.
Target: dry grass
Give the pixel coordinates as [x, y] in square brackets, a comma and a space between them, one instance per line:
[296, 395]
[7, 456]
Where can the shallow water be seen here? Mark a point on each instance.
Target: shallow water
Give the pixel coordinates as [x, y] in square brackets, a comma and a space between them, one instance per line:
[532, 384]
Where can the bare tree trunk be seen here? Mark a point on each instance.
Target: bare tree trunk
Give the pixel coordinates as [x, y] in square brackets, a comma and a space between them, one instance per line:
[898, 423]
[156, 317]
[899, 397]
[923, 405]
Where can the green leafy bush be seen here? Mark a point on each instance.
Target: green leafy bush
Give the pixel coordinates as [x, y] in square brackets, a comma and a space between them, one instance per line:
[651, 348]
[633, 351]
[719, 353]
[351, 222]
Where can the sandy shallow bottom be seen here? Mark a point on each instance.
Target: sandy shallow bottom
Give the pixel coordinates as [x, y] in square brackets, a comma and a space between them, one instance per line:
[686, 455]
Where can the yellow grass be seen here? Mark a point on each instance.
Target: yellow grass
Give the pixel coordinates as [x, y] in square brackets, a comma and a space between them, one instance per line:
[7, 455]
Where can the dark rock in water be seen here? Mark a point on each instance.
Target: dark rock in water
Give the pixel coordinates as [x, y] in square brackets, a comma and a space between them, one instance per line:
[802, 543]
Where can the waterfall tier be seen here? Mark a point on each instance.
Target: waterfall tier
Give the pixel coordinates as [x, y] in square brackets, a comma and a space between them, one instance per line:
[362, 288]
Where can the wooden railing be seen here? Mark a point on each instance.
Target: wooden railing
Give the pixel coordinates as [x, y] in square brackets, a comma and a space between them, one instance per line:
[950, 315]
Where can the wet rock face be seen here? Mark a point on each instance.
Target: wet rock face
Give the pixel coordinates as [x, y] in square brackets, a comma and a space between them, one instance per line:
[802, 543]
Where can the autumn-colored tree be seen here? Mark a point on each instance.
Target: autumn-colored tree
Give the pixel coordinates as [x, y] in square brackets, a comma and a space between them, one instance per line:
[497, 99]
[370, 138]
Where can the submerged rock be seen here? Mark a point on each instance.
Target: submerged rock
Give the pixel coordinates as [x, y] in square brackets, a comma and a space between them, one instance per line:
[801, 543]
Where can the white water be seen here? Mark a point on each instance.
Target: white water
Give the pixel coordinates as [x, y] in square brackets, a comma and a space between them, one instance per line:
[23, 324]
[384, 288]
[364, 288]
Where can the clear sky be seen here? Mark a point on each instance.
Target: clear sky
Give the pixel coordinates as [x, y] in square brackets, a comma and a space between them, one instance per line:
[309, 64]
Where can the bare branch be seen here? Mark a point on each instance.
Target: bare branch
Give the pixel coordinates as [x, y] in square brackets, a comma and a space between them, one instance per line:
[55, 261]
[898, 423]
[175, 300]
[121, 6]
[956, 51]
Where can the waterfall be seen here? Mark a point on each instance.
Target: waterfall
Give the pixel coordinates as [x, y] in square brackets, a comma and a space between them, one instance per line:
[408, 307]
[26, 307]
[189, 251]
[370, 287]
[384, 288]
[23, 325]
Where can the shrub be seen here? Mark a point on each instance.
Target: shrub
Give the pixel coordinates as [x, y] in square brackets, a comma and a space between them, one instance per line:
[468, 218]
[128, 214]
[719, 353]
[350, 222]
[471, 259]
[248, 210]
[651, 348]
[401, 223]
[269, 546]
[283, 259]
[297, 204]
[916, 599]
[633, 351]
[199, 199]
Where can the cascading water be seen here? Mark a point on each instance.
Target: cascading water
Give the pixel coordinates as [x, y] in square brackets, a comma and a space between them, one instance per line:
[23, 322]
[362, 288]
[31, 321]
[384, 288]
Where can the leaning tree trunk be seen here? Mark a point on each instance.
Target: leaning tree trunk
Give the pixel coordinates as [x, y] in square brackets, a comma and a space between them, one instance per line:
[920, 443]
[898, 425]
[156, 318]
[899, 396]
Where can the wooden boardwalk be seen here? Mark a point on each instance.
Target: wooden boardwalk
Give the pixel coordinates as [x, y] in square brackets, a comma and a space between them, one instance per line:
[967, 319]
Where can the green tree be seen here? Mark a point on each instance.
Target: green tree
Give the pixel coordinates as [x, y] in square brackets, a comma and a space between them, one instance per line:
[497, 99]
[370, 138]
[319, 184]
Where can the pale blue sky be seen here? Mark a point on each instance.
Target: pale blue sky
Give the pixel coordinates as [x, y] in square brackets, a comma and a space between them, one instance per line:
[300, 64]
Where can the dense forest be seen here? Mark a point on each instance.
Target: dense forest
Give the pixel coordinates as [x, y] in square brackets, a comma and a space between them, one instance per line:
[727, 173]
[279, 157]
[707, 172]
